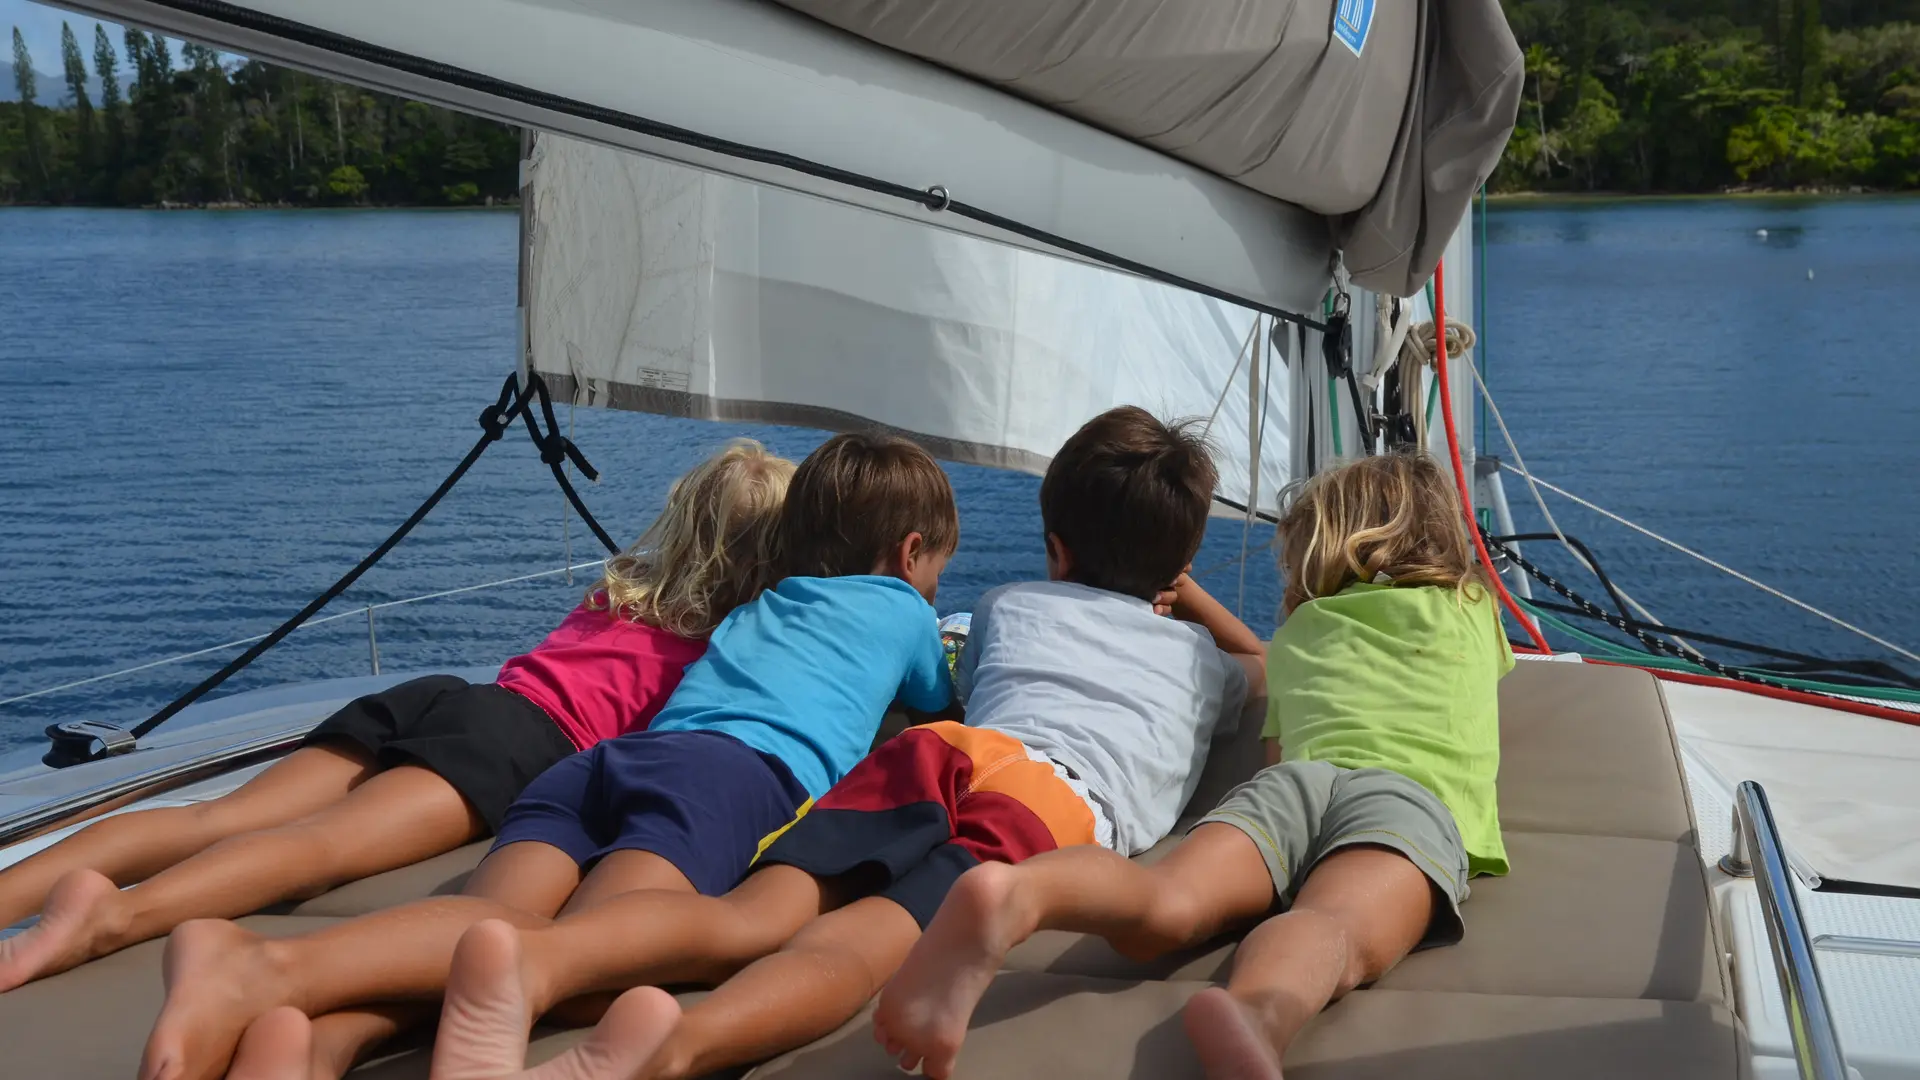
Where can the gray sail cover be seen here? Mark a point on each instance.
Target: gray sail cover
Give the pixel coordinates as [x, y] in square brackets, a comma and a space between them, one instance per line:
[1385, 116]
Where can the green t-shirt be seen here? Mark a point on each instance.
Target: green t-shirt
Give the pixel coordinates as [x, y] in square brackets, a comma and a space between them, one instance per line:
[1403, 678]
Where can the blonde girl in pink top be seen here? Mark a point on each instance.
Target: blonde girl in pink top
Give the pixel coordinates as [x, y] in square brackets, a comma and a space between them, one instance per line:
[422, 767]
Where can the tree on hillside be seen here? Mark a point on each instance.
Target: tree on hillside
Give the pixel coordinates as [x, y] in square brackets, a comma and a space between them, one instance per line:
[86, 152]
[112, 116]
[34, 180]
[210, 117]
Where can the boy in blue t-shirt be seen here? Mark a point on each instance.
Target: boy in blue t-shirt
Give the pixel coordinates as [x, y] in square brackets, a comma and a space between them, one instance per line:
[789, 696]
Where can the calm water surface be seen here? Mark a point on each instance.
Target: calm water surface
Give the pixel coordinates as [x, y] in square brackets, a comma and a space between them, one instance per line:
[205, 418]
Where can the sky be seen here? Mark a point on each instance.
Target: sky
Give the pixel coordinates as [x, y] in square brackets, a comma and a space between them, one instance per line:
[40, 25]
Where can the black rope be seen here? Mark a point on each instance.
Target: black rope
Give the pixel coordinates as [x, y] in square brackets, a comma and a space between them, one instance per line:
[1652, 643]
[1593, 563]
[513, 403]
[555, 450]
[936, 198]
[494, 421]
[1797, 663]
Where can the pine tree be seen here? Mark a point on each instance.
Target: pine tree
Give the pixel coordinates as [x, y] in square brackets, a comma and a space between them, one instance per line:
[33, 171]
[86, 159]
[112, 118]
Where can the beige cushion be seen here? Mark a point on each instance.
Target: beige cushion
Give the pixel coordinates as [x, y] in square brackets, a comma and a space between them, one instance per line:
[92, 1022]
[1588, 749]
[1069, 1027]
[1595, 957]
[1581, 916]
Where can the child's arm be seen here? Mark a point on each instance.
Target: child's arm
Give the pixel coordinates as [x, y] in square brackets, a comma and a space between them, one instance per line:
[1192, 604]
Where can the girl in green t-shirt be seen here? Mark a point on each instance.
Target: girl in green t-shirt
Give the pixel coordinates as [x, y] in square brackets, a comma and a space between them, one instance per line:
[1361, 835]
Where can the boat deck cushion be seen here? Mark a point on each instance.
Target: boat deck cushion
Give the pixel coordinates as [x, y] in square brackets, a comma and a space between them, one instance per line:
[1596, 956]
[92, 1022]
[1580, 916]
[1035, 1025]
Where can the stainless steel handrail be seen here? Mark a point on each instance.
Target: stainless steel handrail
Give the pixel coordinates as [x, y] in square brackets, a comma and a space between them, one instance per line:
[18, 826]
[1757, 852]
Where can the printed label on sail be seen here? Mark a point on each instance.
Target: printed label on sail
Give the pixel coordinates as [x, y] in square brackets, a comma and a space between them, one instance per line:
[1351, 21]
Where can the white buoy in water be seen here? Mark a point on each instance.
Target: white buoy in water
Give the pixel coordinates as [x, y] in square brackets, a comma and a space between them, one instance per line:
[1761, 233]
[1809, 274]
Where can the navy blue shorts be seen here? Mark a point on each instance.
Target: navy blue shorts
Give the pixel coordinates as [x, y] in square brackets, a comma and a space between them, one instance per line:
[701, 800]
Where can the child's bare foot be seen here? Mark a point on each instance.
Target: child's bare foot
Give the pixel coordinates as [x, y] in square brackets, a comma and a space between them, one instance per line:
[483, 1025]
[923, 1012]
[220, 979]
[77, 916]
[1228, 1038]
[278, 1046]
[485, 1018]
[625, 1045]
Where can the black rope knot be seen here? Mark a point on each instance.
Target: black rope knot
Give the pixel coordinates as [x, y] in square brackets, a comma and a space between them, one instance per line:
[496, 418]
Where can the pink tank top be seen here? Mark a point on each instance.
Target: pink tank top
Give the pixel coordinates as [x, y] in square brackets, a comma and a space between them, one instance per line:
[599, 676]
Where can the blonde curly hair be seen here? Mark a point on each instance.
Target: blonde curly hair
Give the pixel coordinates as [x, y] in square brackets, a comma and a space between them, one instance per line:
[708, 552]
[1392, 514]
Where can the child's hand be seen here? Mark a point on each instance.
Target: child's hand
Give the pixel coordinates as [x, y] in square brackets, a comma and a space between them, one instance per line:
[1164, 600]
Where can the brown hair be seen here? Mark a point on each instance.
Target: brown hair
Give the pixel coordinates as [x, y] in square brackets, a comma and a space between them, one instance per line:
[707, 553]
[1394, 514]
[856, 497]
[1128, 497]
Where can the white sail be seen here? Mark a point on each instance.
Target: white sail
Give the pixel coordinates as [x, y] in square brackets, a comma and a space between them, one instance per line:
[750, 89]
[656, 287]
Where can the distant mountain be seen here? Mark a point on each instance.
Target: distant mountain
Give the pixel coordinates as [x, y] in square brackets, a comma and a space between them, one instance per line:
[48, 90]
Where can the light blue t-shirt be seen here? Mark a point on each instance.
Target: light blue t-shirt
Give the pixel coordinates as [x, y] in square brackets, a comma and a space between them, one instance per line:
[806, 672]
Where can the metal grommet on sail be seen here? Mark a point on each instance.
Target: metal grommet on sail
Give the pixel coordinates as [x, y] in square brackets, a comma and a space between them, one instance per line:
[938, 199]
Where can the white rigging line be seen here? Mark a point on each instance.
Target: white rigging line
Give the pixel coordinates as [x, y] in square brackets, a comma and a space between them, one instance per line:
[1253, 332]
[361, 610]
[1540, 500]
[1720, 566]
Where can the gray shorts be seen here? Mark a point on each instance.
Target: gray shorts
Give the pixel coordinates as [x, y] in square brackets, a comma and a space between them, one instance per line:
[1299, 812]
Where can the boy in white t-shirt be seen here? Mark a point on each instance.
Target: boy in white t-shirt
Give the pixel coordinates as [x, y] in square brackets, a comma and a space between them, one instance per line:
[1088, 717]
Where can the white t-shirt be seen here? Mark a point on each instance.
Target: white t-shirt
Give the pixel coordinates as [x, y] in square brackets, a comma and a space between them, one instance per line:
[1127, 699]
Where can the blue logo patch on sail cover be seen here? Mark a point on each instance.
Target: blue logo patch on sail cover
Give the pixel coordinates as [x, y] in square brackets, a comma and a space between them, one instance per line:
[1351, 21]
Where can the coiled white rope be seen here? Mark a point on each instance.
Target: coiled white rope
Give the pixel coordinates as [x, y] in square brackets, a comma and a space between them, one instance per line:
[1416, 354]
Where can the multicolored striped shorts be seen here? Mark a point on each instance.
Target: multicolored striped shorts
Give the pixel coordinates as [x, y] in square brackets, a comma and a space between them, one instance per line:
[931, 804]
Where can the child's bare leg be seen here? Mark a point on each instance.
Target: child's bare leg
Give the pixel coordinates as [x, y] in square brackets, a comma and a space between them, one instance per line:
[484, 1022]
[276, 1047]
[816, 982]
[220, 977]
[340, 1040]
[353, 837]
[129, 848]
[1211, 881]
[345, 1037]
[1360, 911]
[666, 938]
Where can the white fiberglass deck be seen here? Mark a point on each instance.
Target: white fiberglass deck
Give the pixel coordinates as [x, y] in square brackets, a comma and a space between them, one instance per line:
[1874, 996]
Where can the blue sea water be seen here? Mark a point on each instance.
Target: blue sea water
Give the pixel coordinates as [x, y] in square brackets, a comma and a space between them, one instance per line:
[207, 417]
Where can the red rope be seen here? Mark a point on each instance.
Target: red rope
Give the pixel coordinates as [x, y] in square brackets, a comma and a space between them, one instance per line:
[1459, 470]
[1780, 692]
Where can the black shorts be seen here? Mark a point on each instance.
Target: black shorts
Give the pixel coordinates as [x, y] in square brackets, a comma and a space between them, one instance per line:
[485, 740]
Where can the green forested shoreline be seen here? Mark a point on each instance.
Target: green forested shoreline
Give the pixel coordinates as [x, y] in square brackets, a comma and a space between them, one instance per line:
[210, 133]
[1694, 96]
[1632, 97]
